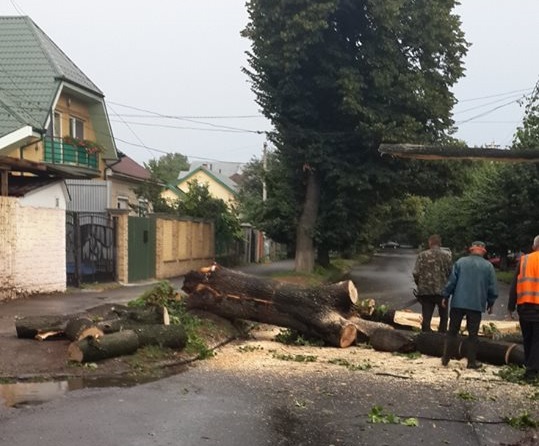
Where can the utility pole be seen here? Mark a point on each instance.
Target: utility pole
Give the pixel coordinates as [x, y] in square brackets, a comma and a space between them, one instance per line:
[264, 166]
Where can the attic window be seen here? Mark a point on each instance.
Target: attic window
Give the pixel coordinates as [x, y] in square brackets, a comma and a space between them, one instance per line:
[76, 128]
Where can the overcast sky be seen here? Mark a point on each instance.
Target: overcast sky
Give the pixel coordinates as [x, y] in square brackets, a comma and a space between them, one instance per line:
[183, 58]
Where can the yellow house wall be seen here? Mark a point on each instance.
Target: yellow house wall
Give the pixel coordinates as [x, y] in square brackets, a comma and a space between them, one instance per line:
[169, 196]
[182, 246]
[215, 188]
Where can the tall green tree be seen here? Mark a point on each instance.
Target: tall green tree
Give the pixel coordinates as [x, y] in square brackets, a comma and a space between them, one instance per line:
[168, 167]
[266, 200]
[165, 170]
[199, 203]
[337, 77]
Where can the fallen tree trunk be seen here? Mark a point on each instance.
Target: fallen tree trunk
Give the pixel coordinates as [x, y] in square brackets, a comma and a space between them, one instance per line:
[169, 336]
[327, 312]
[491, 351]
[340, 297]
[332, 328]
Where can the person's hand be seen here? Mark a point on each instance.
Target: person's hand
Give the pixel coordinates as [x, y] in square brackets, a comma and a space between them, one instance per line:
[444, 303]
[489, 309]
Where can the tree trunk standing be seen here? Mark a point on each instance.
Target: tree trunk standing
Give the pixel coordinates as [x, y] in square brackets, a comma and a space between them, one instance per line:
[322, 256]
[305, 252]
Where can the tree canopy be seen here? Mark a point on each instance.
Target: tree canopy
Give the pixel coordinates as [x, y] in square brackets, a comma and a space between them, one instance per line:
[336, 78]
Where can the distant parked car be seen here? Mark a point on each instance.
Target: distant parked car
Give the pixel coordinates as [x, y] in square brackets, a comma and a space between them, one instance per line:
[512, 259]
[389, 244]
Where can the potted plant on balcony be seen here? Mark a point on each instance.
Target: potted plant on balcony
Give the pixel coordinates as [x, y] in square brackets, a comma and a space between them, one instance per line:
[91, 147]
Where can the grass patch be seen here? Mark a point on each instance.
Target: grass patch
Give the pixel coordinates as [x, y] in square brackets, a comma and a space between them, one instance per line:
[336, 271]
[505, 276]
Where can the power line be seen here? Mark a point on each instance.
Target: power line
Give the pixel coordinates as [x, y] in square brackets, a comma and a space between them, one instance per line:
[17, 8]
[496, 95]
[135, 115]
[486, 112]
[520, 96]
[166, 152]
[168, 126]
[186, 119]
[131, 130]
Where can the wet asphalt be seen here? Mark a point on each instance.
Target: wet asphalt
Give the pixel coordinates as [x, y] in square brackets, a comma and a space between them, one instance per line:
[202, 406]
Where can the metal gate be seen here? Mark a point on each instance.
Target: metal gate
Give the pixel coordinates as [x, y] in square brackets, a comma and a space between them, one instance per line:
[141, 248]
[90, 248]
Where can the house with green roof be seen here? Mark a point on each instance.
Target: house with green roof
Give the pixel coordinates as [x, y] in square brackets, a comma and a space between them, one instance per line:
[50, 111]
[221, 178]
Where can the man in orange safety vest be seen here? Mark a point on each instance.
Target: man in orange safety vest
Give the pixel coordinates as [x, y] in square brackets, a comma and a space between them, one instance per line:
[524, 295]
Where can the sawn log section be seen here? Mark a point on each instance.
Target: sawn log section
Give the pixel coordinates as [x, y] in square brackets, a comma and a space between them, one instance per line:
[325, 312]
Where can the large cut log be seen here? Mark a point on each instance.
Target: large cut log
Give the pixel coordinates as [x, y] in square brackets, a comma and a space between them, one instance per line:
[338, 332]
[108, 346]
[411, 320]
[390, 340]
[31, 326]
[490, 351]
[340, 296]
[366, 328]
[170, 336]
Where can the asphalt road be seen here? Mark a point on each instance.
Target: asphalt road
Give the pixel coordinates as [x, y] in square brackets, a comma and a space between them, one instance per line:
[205, 406]
[388, 280]
[208, 407]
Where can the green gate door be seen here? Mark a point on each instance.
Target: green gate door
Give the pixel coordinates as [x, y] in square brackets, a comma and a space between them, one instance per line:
[141, 248]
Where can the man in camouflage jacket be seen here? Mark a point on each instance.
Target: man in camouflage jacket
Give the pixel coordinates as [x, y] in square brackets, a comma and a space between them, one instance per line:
[432, 268]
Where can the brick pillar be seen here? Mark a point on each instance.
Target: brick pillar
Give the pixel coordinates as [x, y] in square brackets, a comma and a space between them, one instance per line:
[121, 219]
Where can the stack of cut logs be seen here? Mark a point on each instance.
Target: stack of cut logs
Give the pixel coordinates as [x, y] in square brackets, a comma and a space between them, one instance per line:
[106, 331]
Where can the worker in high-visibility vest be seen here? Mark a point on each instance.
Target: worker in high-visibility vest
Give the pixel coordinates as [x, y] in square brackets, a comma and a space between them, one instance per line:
[524, 295]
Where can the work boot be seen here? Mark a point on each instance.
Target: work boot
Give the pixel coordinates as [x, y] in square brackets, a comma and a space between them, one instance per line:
[472, 355]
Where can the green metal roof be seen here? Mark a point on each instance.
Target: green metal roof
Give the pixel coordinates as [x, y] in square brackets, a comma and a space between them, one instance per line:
[32, 68]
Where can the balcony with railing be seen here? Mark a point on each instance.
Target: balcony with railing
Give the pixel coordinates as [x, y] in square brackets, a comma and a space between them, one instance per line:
[74, 153]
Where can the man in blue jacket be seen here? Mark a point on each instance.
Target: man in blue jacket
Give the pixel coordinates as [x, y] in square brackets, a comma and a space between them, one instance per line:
[473, 288]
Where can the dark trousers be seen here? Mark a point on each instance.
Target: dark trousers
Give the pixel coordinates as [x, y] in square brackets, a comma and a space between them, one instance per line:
[473, 321]
[428, 304]
[530, 341]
